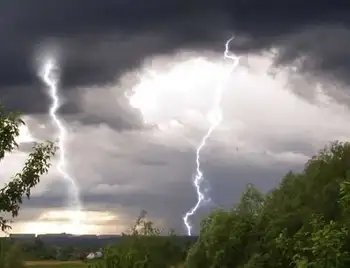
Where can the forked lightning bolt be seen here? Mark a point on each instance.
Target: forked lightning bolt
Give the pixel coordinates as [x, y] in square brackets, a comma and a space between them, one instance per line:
[215, 118]
[49, 75]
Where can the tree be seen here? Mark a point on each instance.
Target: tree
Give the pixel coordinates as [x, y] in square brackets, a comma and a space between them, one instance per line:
[323, 246]
[36, 165]
[144, 227]
[225, 236]
[5, 245]
[302, 223]
[13, 257]
[144, 246]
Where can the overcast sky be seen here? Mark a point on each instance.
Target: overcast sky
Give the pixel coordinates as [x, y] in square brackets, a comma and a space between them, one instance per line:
[138, 79]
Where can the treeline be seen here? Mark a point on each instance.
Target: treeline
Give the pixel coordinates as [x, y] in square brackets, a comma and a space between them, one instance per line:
[303, 223]
[37, 249]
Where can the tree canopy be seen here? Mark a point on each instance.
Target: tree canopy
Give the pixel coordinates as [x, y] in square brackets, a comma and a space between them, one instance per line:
[303, 222]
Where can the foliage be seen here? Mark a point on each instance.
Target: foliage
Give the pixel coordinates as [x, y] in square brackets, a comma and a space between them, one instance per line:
[302, 223]
[37, 250]
[225, 236]
[12, 258]
[36, 165]
[56, 264]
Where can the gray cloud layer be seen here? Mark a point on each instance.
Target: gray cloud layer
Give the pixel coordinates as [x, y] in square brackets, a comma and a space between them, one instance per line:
[101, 39]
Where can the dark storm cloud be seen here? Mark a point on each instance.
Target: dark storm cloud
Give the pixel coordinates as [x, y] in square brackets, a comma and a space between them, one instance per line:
[100, 40]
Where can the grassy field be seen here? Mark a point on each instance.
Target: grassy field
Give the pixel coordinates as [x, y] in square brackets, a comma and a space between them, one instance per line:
[56, 264]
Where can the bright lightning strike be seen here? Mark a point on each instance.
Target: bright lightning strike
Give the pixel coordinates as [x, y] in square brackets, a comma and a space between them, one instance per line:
[49, 75]
[215, 118]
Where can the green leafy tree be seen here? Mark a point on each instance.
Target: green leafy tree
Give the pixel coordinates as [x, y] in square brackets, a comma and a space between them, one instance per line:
[5, 245]
[225, 236]
[288, 218]
[13, 257]
[323, 246]
[303, 222]
[36, 165]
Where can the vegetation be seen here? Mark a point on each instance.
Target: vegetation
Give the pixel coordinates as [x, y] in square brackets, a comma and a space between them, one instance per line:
[143, 246]
[56, 264]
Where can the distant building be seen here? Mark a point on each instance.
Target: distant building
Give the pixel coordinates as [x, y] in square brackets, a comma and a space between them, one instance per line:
[95, 255]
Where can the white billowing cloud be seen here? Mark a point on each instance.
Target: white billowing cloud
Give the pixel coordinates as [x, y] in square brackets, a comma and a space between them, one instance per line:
[259, 110]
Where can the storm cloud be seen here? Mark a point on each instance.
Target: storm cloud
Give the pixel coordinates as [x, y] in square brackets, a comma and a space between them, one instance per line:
[99, 40]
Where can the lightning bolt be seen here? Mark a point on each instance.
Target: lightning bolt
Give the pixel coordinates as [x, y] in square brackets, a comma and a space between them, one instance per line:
[50, 77]
[215, 118]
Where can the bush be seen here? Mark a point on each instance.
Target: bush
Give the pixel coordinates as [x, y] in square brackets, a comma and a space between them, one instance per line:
[144, 247]
[13, 258]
